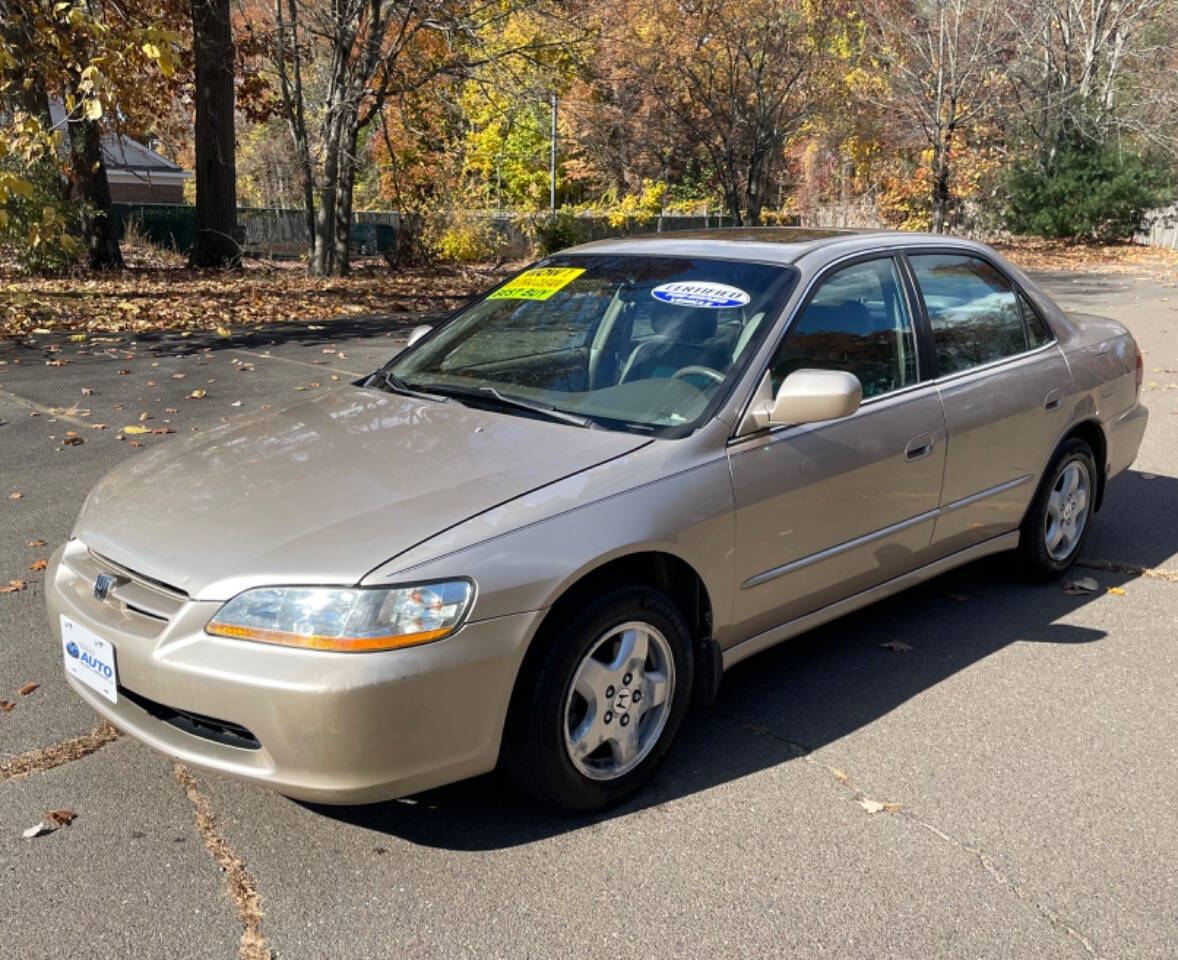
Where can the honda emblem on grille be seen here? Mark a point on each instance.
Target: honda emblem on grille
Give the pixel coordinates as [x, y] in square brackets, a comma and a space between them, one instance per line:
[102, 584]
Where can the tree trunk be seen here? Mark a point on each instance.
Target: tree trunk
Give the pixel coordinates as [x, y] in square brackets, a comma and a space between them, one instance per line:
[942, 197]
[88, 184]
[34, 100]
[343, 197]
[214, 243]
[323, 255]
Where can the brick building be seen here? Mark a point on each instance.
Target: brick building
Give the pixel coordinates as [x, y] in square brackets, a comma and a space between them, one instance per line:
[135, 172]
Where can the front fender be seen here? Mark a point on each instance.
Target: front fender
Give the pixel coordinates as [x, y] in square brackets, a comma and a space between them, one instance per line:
[688, 514]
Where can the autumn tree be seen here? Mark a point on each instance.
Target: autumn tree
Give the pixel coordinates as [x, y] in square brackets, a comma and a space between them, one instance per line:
[743, 76]
[945, 63]
[1096, 69]
[94, 60]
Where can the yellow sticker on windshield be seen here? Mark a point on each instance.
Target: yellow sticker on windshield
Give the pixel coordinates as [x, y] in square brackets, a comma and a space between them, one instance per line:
[539, 283]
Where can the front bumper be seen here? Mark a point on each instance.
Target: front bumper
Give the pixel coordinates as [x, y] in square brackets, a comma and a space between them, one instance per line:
[330, 727]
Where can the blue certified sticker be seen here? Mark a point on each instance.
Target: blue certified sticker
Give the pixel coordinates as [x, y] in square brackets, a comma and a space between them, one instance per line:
[711, 296]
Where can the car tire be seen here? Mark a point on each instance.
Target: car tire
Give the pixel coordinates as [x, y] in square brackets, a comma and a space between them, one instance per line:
[583, 683]
[1060, 516]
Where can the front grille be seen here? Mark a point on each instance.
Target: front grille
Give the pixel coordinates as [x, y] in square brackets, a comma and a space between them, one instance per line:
[196, 724]
[141, 596]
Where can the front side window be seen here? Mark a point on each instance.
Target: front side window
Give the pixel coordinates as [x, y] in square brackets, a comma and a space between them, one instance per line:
[972, 309]
[857, 321]
[643, 343]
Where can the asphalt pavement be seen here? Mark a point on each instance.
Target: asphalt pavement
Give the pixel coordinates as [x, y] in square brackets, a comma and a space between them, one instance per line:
[1007, 786]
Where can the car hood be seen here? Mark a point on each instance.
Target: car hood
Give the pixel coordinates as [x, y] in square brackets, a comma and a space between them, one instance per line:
[324, 491]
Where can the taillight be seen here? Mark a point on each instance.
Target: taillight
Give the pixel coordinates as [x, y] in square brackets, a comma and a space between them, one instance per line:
[1140, 367]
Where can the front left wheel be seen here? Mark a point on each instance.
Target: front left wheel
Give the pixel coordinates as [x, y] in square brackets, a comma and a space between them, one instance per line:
[596, 713]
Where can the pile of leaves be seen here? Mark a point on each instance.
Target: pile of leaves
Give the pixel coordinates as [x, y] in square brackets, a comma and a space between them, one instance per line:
[1033, 253]
[158, 297]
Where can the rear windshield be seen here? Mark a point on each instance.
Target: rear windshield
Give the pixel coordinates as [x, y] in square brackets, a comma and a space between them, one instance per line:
[650, 344]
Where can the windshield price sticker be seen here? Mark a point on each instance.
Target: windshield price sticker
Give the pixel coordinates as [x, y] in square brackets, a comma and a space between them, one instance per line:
[539, 283]
[713, 296]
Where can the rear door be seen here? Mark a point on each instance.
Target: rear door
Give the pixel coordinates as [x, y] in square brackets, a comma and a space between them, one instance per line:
[1002, 381]
[825, 510]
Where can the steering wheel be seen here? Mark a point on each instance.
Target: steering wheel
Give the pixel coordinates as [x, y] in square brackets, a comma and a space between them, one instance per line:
[700, 371]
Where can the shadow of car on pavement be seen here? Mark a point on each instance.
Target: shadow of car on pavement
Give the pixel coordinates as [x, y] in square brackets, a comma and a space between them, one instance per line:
[824, 684]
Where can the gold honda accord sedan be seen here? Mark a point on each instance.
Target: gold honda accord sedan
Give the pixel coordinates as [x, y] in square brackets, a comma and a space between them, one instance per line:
[545, 528]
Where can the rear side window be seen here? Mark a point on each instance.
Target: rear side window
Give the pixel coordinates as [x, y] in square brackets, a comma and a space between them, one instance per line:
[1038, 333]
[857, 321]
[972, 308]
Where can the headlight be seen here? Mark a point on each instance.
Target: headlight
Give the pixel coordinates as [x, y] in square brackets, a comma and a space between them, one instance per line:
[359, 619]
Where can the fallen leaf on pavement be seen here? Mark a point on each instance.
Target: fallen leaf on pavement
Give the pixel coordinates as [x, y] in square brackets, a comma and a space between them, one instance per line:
[1081, 587]
[14, 586]
[98, 426]
[124, 373]
[840, 776]
[874, 806]
[87, 391]
[28, 688]
[179, 376]
[223, 332]
[72, 439]
[35, 543]
[61, 818]
[196, 394]
[134, 428]
[15, 496]
[7, 706]
[37, 830]
[37, 565]
[896, 645]
[1117, 591]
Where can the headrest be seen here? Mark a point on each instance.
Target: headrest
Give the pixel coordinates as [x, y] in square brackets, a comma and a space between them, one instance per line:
[685, 324]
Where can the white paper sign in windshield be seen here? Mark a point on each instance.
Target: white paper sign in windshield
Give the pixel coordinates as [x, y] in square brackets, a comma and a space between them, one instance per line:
[713, 296]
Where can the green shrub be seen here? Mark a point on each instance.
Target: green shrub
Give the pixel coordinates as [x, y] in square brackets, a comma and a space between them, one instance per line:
[556, 232]
[1087, 191]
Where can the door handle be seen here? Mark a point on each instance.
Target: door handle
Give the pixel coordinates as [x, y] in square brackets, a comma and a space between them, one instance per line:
[1053, 399]
[919, 447]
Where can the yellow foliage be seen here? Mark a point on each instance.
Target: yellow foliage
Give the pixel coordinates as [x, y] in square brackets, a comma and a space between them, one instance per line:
[465, 241]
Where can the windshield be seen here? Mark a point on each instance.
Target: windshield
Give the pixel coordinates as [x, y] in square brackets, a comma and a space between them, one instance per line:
[644, 343]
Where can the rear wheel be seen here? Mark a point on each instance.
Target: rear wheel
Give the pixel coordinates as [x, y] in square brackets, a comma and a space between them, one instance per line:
[599, 710]
[1057, 522]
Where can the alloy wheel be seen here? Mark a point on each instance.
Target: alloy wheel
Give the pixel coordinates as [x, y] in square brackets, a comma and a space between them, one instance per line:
[619, 700]
[1067, 510]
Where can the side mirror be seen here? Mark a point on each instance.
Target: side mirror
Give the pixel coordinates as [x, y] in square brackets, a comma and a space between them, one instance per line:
[807, 396]
[417, 333]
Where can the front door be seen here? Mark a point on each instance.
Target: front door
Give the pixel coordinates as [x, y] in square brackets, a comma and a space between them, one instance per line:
[826, 510]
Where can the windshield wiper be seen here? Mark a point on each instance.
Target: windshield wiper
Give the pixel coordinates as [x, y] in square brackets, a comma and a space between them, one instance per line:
[397, 385]
[507, 400]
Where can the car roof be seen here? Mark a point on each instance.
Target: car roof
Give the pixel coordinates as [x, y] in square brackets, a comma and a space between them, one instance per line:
[763, 244]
